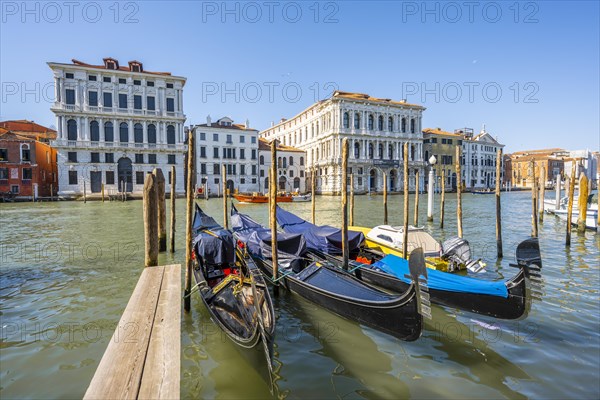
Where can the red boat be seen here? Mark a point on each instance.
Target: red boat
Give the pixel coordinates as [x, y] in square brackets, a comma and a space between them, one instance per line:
[259, 198]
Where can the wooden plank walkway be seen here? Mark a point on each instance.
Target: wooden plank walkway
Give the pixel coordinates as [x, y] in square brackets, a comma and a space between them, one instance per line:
[142, 359]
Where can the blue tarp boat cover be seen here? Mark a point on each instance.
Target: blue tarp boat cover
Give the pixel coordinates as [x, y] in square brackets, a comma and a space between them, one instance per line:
[257, 238]
[439, 280]
[324, 238]
[212, 243]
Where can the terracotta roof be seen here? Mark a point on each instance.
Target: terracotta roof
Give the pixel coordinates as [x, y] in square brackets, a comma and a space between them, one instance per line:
[438, 131]
[264, 144]
[6, 134]
[29, 129]
[240, 127]
[542, 151]
[365, 97]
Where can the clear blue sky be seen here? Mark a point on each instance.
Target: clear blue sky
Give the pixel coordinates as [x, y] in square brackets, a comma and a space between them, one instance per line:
[542, 56]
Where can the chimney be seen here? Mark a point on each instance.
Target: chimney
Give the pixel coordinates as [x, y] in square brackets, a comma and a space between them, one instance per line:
[208, 122]
[247, 123]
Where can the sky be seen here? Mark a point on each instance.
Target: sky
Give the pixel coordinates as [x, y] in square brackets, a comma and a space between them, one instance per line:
[527, 70]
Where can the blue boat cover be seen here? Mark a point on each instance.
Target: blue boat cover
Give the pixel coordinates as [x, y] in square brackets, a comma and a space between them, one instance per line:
[257, 239]
[323, 238]
[211, 242]
[439, 280]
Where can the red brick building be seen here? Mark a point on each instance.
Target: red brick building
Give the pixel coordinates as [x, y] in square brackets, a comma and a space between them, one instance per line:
[30, 130]
[27, 166]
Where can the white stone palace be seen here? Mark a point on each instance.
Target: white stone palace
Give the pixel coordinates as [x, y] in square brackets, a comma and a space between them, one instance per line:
[291, 167]
[115, 124]
[376, 128]
[479, 159]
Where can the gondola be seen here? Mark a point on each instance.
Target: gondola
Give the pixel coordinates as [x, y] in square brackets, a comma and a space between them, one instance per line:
[230, 286]
[327, 285]
[499, 299]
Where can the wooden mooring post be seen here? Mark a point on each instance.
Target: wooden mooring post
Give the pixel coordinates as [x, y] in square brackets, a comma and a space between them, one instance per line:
[406, 199]
[542, 194]
[385, 199]
[313, 190]
[84, 192]
[417, 188]
[351, 213]
[150, 221]
[162, 209]
[570, 204]
[443, 199]
[459, 224]
[224, 183]
[345, 250]
[102, 192]
[173, 215]
[582, 203]
[273, 216]
[189, 219]
[498, 206]
[142, 360]
[534, 219]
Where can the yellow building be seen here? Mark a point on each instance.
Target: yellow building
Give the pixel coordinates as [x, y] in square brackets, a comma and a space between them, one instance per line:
[521, 162]
[442, 145]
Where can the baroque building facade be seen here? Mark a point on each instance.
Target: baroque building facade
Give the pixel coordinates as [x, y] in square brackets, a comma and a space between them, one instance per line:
[376, 130]
[291, 167]
[115, 124]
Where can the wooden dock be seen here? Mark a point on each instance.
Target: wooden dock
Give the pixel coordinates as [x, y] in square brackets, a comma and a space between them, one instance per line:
[142, 359]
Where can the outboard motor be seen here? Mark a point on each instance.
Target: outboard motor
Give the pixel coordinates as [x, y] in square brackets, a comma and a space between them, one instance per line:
[457, 252]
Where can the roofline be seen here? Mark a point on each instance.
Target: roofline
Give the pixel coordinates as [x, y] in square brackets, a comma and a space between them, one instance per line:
[154, 75]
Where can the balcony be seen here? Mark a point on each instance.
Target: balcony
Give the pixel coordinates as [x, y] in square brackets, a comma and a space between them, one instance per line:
[117, 111]
[85, 144]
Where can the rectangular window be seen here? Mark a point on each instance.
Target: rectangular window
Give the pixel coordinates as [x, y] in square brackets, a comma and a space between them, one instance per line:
[301, 174]
[150, 83]
[242, 180]
[150, 103]
[107, 99]
[216, 169]
[110, 177]
[169, 86]
[109, 157]
[262, 173]
[151, 158]
[254, 181]
[72, 156]
[253, 140]
[229, 139]
[137, 102]
[69, 75]
[242, 154]
[72, 177]
[122, 100]
[449, 141]
[216, 152]
[139, 177]
[253, 169]
[170, 104]
[242, 169]
[443, 141]
[27, 174]
[215, 137]
[242, 139]
[139, 158]
[202, 151]
[25, 154]
[216, 181]
[93, 99]
[3, 173]
[137, 82]
[202, 136]
[93, 78]
[433, 140]
[203, 169]
[122, 81]
[171, 159]
[106, 79]
[291, 173]
[253, 154]
[3, 154]
[96, 157]
[70, 96]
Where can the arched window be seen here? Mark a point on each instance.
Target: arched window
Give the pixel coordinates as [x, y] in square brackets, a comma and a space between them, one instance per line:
[284, 162]
[390, 124]
[412, 125]
[301, 160]
[296, 183]
[291, 160]
[356, 150]
[390, 152]
[25, 153]
[71, 129]
[356, 121]
[109, 133]
[152, 133]
[380, 151]
[170, 134]
[403, 125]
[371, 150]
[261, 160]
[94, 131]
[370, 122]
[317, 128]
[138, 134]
[380, 123]
[346, 120]
[279, 164]
[317, 155]
[123, 132]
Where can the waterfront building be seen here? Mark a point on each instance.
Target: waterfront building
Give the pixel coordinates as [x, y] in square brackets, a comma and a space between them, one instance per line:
[291, 167]
[586, 163]
[376, 128]
[27, 166]
[233, 145]
[116, 124]
[442, 145]
[479, 159]
[553, 160]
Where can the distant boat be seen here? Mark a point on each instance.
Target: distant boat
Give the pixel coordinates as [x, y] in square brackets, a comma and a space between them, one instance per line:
[487, 191]
[259, 198]
[591, 220]
[302, 197]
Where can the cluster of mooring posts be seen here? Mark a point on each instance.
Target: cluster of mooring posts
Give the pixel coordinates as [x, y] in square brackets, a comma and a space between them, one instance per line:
[142, 359]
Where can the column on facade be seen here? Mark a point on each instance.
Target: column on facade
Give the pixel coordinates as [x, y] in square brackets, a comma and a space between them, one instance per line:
[130, 123]
[145, 131]
[62, 124]
[144, 97]
[57, 89]
[100, 130]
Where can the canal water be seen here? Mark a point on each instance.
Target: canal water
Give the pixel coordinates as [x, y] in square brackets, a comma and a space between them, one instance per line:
[68, 269]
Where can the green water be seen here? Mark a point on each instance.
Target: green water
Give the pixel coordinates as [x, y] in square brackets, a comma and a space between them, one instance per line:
[68, 269]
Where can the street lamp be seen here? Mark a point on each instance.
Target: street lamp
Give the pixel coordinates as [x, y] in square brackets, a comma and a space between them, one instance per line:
[432, 161]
